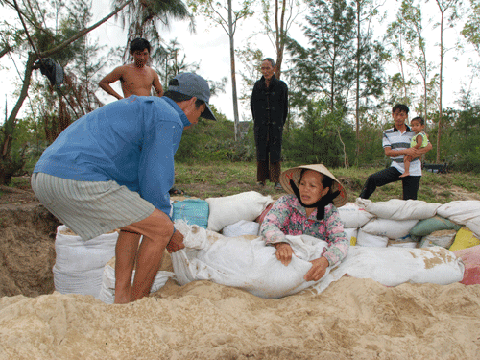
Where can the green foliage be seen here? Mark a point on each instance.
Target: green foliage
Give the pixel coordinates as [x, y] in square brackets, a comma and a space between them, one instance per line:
[319, 139]
[471, 30]
[325, 69]
[214, 141]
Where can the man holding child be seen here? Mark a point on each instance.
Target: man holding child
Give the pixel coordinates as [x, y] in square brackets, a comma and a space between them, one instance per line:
[396, 143]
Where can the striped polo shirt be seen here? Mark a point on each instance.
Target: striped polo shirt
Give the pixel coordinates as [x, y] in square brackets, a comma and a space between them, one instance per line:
[398, 140]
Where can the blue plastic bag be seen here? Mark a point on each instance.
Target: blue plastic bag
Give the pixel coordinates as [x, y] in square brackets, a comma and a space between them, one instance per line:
[192, 211]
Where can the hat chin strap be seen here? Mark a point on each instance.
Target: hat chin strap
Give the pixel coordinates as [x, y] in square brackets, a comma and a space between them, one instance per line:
[320, 205]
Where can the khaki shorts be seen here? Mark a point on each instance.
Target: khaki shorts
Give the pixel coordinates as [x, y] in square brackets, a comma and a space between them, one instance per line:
[90, 208]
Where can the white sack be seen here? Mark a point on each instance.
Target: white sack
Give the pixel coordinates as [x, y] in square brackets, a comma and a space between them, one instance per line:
[403, 244]
[351, 234]
[240, 228]
[400, 209]
[229, 210]
[79, 263]
[252, 266]
[353, 216]
[393, 266]
[442, 238]
[465, 213]
[370, 240]
[389, 228]
[107, 291]
[246, 264]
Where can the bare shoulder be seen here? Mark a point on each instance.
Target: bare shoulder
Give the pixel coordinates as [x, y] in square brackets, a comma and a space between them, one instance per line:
[151, 71]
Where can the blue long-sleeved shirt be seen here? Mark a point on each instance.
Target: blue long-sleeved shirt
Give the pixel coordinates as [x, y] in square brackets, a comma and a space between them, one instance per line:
[132, 141]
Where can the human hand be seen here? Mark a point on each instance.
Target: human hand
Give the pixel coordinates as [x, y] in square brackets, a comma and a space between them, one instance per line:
[283, 253]
[316, 272]
[412, 152]
[176, 242]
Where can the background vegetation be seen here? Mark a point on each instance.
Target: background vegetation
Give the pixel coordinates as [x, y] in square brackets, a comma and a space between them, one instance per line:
[340, 93]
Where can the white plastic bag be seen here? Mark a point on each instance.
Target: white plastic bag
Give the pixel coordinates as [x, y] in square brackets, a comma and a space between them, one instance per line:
[80, 263]
[370, 240]
[229, 210]
[353, 216]
[393, 266]
[246, 264]
[107, 291]
[351, 235]
[465, 213]
[389, 228]
[400, 209]
[240, 228]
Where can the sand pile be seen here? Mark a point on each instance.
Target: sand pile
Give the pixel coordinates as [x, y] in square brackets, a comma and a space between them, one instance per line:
[352, 319]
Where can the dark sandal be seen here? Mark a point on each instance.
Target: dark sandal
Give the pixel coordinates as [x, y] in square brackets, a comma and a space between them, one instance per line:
[175, 191]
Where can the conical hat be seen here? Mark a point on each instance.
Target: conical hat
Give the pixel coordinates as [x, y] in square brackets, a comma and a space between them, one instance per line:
[294, 173]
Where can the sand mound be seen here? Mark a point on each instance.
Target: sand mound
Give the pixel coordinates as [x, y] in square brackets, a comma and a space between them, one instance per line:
[352, 319]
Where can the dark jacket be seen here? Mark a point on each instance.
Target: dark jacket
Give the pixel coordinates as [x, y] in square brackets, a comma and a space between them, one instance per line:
[269, 111]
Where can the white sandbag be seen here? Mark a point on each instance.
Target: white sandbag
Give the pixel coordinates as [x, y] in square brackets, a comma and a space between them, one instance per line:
[465, 213]
[80, 263]
[247, 264]
[400, 209]
[393, 266]
[442, 238]
[107, 291]
[407, 241]
[403, 244]
[240, 228]
[351, 235]
[392, 229]
[229, 210]
[370, 240]
[252, 266]
[353, 216]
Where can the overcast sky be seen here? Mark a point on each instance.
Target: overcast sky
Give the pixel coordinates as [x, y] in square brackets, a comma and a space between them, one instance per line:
[210, 47]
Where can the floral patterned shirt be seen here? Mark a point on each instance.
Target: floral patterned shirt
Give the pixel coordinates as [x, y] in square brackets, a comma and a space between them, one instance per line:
[288, 217]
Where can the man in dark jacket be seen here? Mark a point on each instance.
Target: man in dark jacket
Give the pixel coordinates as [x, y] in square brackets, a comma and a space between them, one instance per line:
[269, 105]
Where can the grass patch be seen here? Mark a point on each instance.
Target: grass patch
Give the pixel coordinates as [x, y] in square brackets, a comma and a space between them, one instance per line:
[215, 179]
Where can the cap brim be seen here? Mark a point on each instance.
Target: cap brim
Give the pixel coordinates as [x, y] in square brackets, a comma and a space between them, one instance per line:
[207, 113]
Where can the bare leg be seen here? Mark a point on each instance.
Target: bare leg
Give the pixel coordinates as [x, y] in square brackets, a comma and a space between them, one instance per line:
[149, 259]
[125, 251]
[406, 162]
[157, 230]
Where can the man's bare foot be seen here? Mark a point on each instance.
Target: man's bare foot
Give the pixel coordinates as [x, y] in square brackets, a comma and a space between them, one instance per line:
[122, 298]
[404, 175]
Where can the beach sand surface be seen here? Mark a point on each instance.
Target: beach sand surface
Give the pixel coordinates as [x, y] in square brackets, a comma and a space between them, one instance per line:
[352, 319]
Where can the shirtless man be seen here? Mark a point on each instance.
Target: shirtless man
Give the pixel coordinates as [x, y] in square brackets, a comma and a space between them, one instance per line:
[136, 78]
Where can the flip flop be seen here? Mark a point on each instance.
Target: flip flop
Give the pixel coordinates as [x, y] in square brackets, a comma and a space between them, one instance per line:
[175, 191]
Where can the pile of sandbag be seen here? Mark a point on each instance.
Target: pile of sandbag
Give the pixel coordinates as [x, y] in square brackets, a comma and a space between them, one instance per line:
[413, 224]
[252, 266]
[396, 241]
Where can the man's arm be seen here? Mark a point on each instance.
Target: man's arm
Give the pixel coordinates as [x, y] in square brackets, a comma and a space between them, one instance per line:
[156, 84]
[411, 151]
[114, 76]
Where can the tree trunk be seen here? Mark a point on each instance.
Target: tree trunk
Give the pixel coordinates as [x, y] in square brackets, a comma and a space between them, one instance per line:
[440, 118]
[357, 92]
[232, 73]
[7, 168]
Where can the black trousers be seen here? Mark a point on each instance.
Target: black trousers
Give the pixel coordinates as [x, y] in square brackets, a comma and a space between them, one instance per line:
[410, 184]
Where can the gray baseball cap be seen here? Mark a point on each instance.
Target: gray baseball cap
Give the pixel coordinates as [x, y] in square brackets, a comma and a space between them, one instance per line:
[193, 85]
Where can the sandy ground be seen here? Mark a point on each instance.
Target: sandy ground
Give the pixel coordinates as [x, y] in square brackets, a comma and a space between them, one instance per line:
[352, 319]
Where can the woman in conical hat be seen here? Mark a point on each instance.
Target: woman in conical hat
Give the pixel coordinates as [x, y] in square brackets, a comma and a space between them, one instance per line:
[311, 208]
